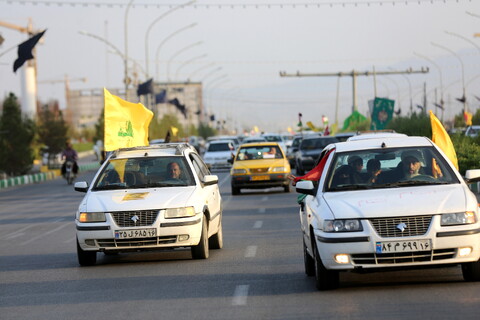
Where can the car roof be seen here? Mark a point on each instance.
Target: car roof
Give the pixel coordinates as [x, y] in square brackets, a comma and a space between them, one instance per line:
[156, 150]
[383, 142]
[376, 135]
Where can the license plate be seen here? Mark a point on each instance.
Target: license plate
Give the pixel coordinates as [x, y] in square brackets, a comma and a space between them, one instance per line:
[135, 233]
[403, 246]
[260, 178]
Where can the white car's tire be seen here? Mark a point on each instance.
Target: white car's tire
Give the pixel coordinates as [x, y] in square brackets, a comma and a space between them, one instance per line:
[324, 279]
[471, 271]
[216, 241]
[201, 250]
[308, 261]
[86, 258]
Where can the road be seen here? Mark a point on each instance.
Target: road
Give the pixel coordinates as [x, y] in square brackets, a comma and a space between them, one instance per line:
[257, 275]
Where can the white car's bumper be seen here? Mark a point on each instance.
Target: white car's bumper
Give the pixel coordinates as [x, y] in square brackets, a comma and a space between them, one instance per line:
[163, 233]
[366, 249]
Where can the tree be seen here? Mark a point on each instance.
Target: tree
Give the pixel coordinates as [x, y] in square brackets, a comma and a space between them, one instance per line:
[52, 132]
[158, 129]
[205, 131]
[413, 125]
[16, 136]
[99, 128]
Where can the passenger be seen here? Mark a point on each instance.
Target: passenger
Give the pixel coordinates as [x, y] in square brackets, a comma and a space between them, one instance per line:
[373, 171]
[272, 153]
[357, 164]
[344, 175]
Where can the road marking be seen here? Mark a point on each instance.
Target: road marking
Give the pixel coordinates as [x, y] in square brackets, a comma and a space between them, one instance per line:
[224, 180]
[13, 234]
[70, 240]
[251, 252]
[258, 224]
[44, 234]
[240, 295]
[265, 198]
[262, 210]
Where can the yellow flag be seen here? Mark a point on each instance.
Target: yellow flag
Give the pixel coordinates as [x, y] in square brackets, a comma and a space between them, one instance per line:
[441, 138]
[255, 128]
[311, 126]
[126, 123]
[468, 118]
[174, 130]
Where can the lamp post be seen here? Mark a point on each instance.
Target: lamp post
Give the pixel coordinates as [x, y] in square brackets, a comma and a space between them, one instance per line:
[188, 62]
[200, 69]
[178, 53]
[463, 72]
[166, 40]
[151, 26]
[441, 78]
[126, 80]
[210, 73]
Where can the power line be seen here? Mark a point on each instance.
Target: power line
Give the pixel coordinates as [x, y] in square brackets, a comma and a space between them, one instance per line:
[212, 5]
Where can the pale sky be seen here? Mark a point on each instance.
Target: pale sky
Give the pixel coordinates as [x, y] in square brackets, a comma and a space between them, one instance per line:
[245, 44]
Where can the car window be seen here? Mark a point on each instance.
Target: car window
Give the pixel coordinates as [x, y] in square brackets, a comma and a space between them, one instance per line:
[395, 167]
[213, 147]
[259, 152]
[143, 172]
[199, 166]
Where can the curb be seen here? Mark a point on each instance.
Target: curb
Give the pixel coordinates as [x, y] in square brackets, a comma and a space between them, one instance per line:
[43, 176]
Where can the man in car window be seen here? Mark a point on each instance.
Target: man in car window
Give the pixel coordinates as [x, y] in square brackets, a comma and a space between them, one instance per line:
[357, 164]
[173, 171]
[411, 166]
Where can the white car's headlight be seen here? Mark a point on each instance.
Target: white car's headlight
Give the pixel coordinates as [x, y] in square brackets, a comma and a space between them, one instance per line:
[278, 169]
[451, 219]
[342, 225]
[91, 217]
[239, 171]
[179, 212]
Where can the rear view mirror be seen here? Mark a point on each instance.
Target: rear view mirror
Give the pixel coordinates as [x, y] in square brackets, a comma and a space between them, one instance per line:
[210, 179]
[305, 187]
[81, 186]
[385, 156]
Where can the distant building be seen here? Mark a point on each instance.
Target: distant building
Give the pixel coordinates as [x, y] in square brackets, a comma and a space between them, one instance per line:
[84, 107]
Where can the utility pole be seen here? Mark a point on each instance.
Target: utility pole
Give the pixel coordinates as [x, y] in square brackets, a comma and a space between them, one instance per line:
[354, 74]
[28, 75]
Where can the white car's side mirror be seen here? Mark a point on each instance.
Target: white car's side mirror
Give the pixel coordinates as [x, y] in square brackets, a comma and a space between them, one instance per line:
[305, 187]
[81, 186]
[472, 175]
[210, 179]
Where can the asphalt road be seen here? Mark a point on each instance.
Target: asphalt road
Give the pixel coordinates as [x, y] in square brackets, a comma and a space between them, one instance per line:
[257, 275]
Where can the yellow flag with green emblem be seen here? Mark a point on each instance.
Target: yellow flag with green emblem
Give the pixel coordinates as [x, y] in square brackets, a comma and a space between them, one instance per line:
[126, 123]
[441, 138]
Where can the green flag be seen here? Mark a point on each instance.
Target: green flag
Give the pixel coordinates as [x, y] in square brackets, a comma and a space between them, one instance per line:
[382, 113]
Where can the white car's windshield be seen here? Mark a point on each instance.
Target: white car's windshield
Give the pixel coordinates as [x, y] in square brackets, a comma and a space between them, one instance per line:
[388, 168]
[144, 173]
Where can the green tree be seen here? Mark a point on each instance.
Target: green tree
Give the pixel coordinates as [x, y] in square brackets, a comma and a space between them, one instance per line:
[99, 128]
[52, 131]
[158, 128]
[205, 131]
[413, 125]
[16, 137]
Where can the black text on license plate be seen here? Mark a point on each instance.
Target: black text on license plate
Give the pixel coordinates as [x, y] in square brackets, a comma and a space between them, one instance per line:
[403, 246]
[135, 233]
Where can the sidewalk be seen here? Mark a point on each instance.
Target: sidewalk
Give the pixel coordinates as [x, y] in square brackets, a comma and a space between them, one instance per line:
[86, 162]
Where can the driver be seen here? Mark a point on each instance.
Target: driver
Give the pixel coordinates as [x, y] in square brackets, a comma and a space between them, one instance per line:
[411, 166]
[173, 171]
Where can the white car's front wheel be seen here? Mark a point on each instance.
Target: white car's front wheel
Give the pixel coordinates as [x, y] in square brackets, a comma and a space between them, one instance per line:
[216, 241]
[471, 271]
[201, 250]
[86, 258]
[324, 279]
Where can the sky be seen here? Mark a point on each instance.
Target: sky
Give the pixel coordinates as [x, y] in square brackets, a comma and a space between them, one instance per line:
[238, 48]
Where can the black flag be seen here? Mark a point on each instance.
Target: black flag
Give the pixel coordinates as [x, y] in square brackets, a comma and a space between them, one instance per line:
[161, 97]
[462, 99]
[180, 107]
[25, 50]
[438, 105]
[167, 137]
[145, 88]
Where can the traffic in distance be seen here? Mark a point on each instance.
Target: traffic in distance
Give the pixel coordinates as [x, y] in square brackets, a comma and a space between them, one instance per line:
[365, 210]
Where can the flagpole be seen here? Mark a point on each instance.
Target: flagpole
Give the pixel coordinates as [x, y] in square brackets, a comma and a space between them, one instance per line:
[126, 80]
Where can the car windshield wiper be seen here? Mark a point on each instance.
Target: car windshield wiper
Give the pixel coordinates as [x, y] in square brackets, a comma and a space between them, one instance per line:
[110, 187]
[157, 185]
[351, 187]
[410, 183]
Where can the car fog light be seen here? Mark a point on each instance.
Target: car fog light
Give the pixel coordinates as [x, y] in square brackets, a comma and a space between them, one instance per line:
[342, 258]
[183, 237]
[90, 242]
[463, 252]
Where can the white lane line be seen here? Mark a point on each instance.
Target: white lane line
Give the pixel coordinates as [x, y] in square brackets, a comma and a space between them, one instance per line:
[261, 210]
[13, 234]
[251, 252]
[222, 182]
[70, 240]
[44, 234]
[265, 198]
[258, 224]
[240, 295]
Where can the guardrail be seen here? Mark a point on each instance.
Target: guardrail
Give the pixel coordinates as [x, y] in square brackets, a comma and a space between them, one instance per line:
[43, 176]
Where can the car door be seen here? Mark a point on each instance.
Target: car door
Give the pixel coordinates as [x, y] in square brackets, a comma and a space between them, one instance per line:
[211, 193]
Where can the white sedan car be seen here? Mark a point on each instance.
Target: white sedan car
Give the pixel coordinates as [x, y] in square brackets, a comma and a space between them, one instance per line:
[388, 202]
[218, 154]
[148, 198]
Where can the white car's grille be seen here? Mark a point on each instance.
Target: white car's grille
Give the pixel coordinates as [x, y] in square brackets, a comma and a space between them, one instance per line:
[135, 218]
[392, 227]
[138, 242]
[403, 257]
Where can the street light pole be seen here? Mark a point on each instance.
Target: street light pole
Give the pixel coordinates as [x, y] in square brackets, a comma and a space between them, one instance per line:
[463, 72]
[165, 41]
[126, 80]
[178, 53]
[188, 62]
[151, 26]
[442, 102]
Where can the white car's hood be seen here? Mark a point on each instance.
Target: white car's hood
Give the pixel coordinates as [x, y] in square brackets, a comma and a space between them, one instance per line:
[137, 199]
[407, 201]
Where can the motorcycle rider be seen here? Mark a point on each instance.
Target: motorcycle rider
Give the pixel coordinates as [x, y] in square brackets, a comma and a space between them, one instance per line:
[69, 154]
